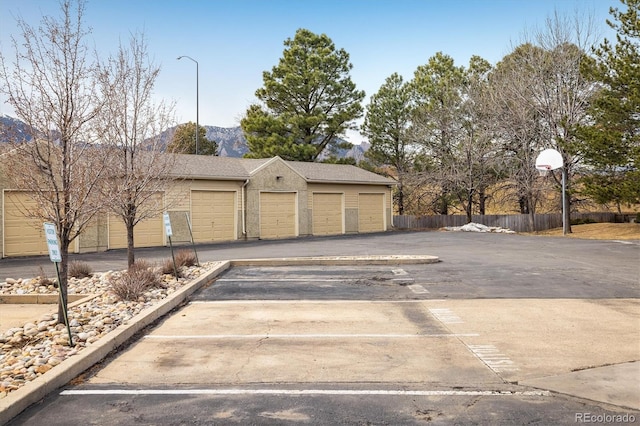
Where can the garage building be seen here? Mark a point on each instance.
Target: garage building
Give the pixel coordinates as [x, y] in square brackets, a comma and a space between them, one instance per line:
[216, 199]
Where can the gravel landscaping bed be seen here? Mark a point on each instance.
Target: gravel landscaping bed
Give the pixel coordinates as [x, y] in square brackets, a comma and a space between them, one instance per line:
[30, 351]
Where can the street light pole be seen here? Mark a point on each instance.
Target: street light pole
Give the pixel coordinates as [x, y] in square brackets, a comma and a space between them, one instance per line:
[197, 98]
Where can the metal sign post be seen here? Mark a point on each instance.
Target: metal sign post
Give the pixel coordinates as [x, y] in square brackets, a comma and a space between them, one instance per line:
[56, 257]
[193, 244]
[169, 233]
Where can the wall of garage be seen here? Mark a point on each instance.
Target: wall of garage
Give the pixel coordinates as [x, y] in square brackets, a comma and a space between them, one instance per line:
[184, 203]
[273, 201]
[275, 177]
[353, 215]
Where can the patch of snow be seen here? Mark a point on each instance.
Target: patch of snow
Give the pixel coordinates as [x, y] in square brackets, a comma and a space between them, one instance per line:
[478, 227]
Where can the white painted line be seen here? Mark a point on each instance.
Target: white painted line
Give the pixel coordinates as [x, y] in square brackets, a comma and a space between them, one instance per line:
[493, 358]
[418, 289]
[399, 272]
[303, 336]
[73, 392]
[310, 302]
[267, 279]
[446, 316]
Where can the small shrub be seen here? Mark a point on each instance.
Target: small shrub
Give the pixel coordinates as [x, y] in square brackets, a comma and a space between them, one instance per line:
[582, 221]
[185, 258]
[44, 280]
[167, 267]
[132, 284]
[79, 269]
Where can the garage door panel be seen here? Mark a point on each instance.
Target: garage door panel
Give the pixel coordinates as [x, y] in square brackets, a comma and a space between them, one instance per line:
[23, 236]
[328, 217]
[213, 216]
[278, 217]
[371, 213]
[147, 233]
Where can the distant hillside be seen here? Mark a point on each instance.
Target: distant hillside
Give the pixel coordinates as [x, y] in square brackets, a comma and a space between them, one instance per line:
[13, 130]
[231, 141]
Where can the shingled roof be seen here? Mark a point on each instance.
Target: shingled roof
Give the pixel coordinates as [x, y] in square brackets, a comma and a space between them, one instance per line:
[228, 168]
[342, 173]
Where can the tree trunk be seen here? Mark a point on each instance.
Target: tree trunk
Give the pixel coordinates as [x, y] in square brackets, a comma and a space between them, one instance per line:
[482, 202]
[566, 202]
[62, 280]
[130, 253]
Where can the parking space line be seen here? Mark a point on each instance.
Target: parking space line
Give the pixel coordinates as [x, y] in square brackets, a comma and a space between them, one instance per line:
[493, 358]
[269, 279]
[446, 316]
[332, 392]
[309, 301]
[304, 336]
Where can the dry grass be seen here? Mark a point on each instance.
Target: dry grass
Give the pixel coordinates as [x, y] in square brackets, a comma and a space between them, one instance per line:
[600, 231]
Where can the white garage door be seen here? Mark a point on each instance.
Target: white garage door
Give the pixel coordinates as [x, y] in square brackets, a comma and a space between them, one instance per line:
[213, 216]
[278, 217]
[23, 236]
[327, 214]
[371, 213]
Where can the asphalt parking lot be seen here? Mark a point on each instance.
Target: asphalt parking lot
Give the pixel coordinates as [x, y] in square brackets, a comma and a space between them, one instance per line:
[498, 333]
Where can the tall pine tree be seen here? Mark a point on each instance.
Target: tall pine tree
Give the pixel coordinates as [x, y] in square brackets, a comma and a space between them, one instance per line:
[307, 102]
[612, 141]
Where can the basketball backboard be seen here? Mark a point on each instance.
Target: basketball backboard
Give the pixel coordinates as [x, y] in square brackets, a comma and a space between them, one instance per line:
[549, 159]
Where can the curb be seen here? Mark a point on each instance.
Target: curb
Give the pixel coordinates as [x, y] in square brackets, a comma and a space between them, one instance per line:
[32, 392]
[338, 260]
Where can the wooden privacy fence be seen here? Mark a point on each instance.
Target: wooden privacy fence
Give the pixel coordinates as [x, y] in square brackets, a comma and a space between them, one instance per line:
[515, 222]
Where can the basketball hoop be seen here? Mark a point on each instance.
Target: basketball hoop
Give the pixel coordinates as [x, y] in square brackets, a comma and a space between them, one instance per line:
[543, 169]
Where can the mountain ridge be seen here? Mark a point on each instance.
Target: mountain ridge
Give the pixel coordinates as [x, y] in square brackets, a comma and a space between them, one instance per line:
[231, 141]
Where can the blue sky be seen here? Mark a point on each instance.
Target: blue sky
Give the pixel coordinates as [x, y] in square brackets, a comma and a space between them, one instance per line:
[234, 41]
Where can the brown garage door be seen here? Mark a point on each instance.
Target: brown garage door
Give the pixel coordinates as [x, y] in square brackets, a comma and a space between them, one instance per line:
[22, 236]
[371, 213]
[214, 217]
[148, 233]
[278, 217]
[327, 214]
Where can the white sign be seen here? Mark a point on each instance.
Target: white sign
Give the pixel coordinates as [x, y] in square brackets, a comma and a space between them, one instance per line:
[52, 242]
[167, 224]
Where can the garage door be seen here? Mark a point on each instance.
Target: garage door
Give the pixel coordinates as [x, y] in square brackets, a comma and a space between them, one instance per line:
[213, 216]
[22, 236]
[327, 214]
[148, 233]
[371, 213]
[278, 215]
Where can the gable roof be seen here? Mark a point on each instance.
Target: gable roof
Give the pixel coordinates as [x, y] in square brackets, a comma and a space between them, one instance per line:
[208, 167]
[228, 168]
[338, 173]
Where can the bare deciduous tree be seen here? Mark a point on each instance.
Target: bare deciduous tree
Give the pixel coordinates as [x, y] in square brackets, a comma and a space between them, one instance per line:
[132, 125]
[517, 126]
[560, 94]
[50, 85]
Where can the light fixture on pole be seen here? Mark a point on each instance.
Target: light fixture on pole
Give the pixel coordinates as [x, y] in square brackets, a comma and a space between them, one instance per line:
[197, 99]
[548, 160]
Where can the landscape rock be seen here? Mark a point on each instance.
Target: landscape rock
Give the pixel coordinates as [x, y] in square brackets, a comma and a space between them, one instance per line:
[38, 346]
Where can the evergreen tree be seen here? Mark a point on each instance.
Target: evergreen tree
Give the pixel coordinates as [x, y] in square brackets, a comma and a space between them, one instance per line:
[385, 125]
[307, 102]
[184, 141]
[612, 141]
